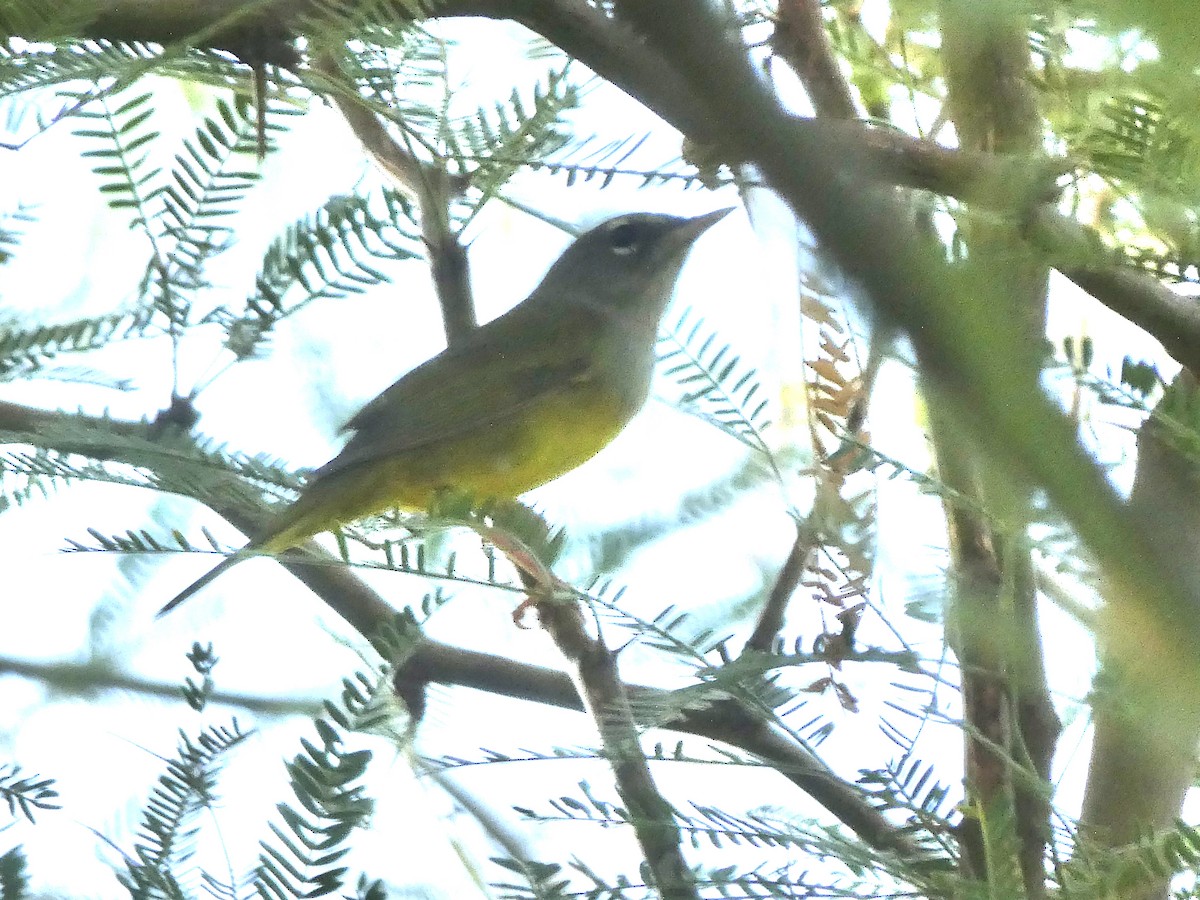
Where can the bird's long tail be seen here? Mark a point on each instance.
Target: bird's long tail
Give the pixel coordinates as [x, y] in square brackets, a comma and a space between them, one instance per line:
[301, 520]
[205, 579]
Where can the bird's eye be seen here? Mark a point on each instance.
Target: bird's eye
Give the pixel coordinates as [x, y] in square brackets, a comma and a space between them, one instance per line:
[624, 239]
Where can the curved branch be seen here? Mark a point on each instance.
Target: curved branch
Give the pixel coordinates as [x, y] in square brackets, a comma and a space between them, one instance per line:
[431, 661]
[617, 53]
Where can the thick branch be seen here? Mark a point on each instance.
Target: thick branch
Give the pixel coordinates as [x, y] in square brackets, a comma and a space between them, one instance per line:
[1137, 785]
[973, 354]
[986, 59]
[800, 39]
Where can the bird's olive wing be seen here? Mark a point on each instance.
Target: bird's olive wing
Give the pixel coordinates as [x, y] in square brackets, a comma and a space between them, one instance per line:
[497, 372]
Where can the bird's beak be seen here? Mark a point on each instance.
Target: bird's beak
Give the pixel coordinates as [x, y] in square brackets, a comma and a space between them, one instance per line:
[690, 229]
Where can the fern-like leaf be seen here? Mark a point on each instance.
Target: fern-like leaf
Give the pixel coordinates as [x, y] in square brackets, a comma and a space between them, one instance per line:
[910, 786]
[26, 351]
[206, 185]
[168, 832]
[329, 255]
[30, 69]
[497, 142]
[26, 794]
[587, 160]
[10, 230]
[718, 387]
[302, 859]
[121, 162]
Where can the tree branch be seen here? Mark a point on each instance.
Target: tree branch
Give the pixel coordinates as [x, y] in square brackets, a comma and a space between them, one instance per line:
[996, 637]
[800, 40]
[86, 680]
[430, 661]
[1079, 253]
[974, 355]
[433, 187]
[607, 702]
[1136, 785]
[770, 619]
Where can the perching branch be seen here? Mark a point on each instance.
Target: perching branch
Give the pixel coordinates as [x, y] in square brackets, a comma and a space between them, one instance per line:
[606, 699]
[430, 661]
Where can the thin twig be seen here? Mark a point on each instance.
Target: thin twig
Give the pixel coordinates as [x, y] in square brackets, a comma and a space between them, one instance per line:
[85, 680]
[770, 620]
[433, 187]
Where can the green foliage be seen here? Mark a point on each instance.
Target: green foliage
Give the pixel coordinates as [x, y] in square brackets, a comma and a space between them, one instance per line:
[909, 786]
[26, 794]
[1168, 23]
[13, 880]
[207, 185]
[496, 142]
[329, 255]
[1141, 377]
[312, 836]
[168, 832]
[718, 387]
[10, 230]
[857, 872]
[186, 215]
[25, 351]
[122, 158]
[375, 21]
[326, 779]
[1163, 854]
[203, 660]
[163, 458]
[37, 69]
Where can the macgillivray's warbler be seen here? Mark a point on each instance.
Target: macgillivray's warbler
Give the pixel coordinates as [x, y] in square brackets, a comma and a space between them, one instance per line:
[516, 403]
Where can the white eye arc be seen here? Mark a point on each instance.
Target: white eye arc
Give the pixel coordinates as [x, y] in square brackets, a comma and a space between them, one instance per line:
[624, 239]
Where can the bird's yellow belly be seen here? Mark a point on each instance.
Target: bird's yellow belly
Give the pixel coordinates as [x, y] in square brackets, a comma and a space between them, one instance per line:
[508, 458]
[536, 445]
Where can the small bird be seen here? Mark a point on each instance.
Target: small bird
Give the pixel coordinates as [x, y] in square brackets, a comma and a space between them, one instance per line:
[518, 402]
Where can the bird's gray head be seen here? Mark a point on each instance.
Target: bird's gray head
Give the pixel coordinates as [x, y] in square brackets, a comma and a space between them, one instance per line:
[627, 265]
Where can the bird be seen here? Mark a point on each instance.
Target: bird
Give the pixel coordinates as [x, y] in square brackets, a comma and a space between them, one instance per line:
[514, 404]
